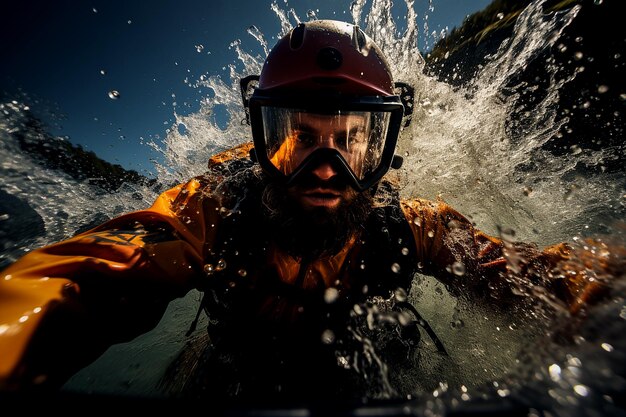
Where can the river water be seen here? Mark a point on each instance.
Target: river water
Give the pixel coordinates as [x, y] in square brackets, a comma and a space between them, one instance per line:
[471, 144]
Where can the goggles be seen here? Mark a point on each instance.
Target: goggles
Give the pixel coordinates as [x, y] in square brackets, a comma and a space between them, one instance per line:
[357, 137]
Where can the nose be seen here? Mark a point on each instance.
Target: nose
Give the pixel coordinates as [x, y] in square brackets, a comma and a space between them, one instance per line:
[324, 171]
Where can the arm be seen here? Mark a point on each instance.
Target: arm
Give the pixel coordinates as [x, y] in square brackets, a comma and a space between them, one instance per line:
[469, 262]
[63, 305]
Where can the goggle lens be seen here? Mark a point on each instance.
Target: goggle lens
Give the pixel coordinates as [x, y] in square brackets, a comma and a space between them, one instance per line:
[292, 135]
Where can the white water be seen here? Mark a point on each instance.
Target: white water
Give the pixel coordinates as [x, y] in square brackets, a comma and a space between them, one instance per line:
[457, 148]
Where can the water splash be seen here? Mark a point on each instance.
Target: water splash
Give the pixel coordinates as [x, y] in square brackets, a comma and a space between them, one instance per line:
[36, 195]
[463, 146]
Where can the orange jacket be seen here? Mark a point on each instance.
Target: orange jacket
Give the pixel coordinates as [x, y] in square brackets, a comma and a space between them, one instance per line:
[75, 298]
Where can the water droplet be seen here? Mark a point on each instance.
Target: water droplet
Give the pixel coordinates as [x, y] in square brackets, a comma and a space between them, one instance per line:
[500, 16]
[328, 337]
[221, 265]
[458, 268]
[395, 267]
[405, 251]
[454, 224]
[507, 233]
[331, 295]
[358, 309]
[581, 390]
[199, 48]
[607, 347]
[114, 94]
[578, 56]
[417, 221]
[579, 39]
[129, 21]
[224, 212]
[94, 10]
[575, 149]
[242, 272]
[420, 265]
[209, 269]
[555, 372]
[457, 324]
[597, 2]
[400, 294]
[527, 191]
[431, 233]
[23, 319]
[622, 96]
[4, 217]
[603, 89]
[103, 72]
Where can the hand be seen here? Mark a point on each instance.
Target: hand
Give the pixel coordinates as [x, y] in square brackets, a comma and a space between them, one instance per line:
[589, 272]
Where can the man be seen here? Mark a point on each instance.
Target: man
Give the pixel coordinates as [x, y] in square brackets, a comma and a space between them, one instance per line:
[289, 238]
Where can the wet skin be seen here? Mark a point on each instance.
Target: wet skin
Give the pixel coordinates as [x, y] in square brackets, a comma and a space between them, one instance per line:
[327, 192]
[324, 188]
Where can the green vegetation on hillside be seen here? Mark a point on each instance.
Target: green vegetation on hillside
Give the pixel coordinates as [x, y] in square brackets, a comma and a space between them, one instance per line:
[500, 14]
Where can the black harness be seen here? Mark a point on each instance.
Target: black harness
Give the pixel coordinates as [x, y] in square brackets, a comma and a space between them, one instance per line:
[380, 265]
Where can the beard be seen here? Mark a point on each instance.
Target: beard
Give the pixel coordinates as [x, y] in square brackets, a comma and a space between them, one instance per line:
[314, 232]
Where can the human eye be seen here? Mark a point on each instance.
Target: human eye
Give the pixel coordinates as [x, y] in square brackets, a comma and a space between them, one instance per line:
[342, 141]
[305, 138]
[348, 140]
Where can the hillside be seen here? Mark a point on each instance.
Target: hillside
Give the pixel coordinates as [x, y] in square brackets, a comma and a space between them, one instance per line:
[60, 154]
[591, 103]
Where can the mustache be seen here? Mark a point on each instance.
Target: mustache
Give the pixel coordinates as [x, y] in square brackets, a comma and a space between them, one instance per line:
[310, 181]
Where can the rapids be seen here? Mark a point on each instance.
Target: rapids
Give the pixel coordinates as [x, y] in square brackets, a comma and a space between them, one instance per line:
[474, 145]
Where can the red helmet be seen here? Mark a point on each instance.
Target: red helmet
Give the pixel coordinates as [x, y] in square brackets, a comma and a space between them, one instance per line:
[325, 93]
[327, 53]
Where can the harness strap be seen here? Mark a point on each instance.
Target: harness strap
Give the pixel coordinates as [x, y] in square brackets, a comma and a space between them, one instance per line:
[194, 323]
[420, 320]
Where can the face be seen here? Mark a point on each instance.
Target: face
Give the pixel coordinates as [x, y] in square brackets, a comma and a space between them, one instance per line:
[323, 187]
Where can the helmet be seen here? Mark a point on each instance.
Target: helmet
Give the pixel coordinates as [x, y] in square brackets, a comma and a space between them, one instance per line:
[325, 93]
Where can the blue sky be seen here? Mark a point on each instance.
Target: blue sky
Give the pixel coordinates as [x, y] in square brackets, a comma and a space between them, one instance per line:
[54, 53]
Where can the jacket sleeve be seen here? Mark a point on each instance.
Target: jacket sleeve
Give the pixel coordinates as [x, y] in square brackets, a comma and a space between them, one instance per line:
[62, 305]
[470, 262]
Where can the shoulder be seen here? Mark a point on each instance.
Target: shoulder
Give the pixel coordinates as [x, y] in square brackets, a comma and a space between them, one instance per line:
[229, 171]
[228, 168]
[239, 152]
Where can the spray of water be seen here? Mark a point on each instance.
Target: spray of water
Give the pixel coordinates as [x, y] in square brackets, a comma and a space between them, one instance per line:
[463, 146]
